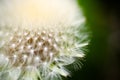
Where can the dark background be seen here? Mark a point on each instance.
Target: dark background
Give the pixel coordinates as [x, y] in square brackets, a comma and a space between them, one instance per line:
[103, 59]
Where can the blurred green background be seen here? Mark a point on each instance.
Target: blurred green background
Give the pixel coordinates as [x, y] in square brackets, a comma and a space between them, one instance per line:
[102, 60]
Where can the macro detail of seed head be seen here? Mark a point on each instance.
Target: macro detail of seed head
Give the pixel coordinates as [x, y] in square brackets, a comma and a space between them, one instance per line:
[38, 38]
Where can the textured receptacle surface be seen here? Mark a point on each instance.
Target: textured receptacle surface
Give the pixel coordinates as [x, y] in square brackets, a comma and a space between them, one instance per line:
[31, 48]
[46, 50]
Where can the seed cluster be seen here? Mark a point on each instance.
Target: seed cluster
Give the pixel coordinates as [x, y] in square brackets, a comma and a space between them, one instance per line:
[32, 47]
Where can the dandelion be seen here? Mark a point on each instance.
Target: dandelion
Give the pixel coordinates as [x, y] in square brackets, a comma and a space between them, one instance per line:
[38, 38]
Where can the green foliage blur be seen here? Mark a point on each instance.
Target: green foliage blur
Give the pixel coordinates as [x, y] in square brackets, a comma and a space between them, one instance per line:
[97, 23]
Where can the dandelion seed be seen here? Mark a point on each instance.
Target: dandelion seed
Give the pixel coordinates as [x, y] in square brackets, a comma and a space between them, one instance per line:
[13, 45]
[39, 43]
[29, 46]
[45, 49]
[25, 57]
[32, 51]
[15, 56]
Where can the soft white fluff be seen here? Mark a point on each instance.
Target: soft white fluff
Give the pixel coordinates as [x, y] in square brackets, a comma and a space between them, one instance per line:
[36, 13]
[60, 18]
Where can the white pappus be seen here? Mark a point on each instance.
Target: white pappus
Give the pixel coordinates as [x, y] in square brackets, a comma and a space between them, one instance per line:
[38, 38]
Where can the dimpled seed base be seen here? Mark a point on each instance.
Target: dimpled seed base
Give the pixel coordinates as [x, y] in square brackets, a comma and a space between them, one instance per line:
[46, 52]
[31, 47]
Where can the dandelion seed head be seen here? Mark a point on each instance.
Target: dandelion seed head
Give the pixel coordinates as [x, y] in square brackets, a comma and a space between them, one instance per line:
[39, 37]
